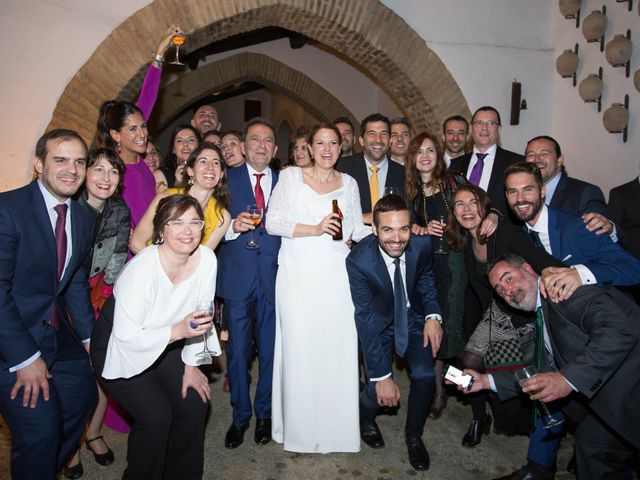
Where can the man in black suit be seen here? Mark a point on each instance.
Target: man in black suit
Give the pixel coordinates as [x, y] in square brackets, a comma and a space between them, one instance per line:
[624, 203]
[564, 192]
[47, 388]
[372, 169]
[590, 355]
[394, 294]
[345, 127]
[486, 164]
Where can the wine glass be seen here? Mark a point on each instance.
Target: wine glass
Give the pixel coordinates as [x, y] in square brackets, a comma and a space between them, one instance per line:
[178, 39]
[206, 307]
[441, 250]
[522, 376]
[255, 214]
[391, 191]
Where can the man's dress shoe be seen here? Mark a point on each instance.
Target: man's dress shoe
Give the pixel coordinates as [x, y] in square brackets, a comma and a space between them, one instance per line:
[476, 429]
[263, 431]
[418, 455]
[235, 436]
[370, 433]
[526, 473]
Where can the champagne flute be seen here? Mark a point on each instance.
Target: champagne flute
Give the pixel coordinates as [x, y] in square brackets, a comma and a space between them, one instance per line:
[178, 39]
[206, 307]
[522, 376]
[255, 214]
[441, 250]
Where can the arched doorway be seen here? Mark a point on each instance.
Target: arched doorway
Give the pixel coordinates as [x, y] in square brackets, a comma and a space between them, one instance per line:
[366, 34]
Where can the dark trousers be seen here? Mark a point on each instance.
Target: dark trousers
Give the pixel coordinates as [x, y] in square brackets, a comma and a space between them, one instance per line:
[45, 437]
[422, 378]
[600, 452]
[167, 436]
[250, 316]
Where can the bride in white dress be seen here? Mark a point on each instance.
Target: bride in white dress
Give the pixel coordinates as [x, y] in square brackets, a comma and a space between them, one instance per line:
[315, 368]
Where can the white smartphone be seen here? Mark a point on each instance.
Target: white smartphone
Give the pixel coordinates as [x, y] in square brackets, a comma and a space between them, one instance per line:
[456, 376]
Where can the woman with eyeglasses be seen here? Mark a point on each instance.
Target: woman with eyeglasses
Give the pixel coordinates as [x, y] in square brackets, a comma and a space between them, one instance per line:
[146, 343]
[205, 172]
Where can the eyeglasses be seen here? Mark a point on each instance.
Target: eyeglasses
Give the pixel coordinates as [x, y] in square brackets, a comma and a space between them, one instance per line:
[482, 123]
[193, 225]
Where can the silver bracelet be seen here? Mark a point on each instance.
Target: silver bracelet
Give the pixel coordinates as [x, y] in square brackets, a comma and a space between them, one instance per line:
[159, 59]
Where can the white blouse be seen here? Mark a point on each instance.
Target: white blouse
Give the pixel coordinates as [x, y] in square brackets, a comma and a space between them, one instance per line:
[148, 304]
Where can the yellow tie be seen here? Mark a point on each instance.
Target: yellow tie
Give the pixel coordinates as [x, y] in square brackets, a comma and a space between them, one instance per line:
[374, 186]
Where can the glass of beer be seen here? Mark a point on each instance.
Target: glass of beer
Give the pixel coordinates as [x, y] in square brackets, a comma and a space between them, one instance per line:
[177, 40]
[255, 214]
[522, 376]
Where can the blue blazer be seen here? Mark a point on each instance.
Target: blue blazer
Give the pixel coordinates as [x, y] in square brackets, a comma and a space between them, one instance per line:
[577, 197]
[239, 267]
[29, 287]
[607, 260]
[372, 294]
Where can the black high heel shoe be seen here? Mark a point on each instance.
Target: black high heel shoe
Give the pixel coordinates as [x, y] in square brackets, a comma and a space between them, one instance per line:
[74, 472]
[476, 429]
[101, 458]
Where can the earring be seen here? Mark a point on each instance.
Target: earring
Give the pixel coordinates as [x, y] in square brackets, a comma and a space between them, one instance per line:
[190, 181]
[160, 240]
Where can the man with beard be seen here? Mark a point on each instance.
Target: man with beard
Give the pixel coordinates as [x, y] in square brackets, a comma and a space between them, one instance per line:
[345, 127]
[594, 258]
[589, 352]
[206, 118]
[564, 192]
[454, 136]
[400, 139]
[394, 295]
[372, 169]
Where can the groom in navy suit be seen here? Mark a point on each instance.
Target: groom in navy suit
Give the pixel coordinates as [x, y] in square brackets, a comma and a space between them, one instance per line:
[394, 294]
[246, 283]
[47, 389]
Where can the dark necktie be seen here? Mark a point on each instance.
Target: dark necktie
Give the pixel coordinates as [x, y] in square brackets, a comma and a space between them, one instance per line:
[61, 251]
[260, 203]
[476, 171]
[400, 324]
[535, 238]
[539, 343]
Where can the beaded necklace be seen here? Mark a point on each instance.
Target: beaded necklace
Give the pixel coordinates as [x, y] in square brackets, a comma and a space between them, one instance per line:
[440, 186]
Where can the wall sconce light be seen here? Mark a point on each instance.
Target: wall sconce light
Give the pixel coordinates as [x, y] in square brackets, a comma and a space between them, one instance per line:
[616, 118]
[590, 89]
[571, 9]
[567, 64]
[594, 26]
[636, 79]
[630, 2]
[517, 102]
[618, 52]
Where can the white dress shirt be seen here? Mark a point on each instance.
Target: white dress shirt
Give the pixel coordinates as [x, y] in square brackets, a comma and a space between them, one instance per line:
[542, 228]
[382, 173]
[487, 166]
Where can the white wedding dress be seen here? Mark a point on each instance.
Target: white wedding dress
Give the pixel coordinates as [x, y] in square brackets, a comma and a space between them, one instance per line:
[315, 368]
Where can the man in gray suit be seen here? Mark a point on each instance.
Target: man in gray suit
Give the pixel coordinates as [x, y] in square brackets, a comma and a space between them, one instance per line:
[590, 360]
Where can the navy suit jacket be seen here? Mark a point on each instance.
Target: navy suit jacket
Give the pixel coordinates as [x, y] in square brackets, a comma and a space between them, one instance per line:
[29, 288]
[607, 260]
[624, 205]
[495, 190]
[356, 167]
[239, 267]
[577, 197]
[372, 294]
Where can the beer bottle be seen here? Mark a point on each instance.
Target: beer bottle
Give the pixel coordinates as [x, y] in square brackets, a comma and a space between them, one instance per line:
[338, 213]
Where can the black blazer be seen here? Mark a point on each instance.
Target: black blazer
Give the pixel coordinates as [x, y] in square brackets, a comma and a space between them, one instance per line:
[595, 339]
[624, 205]
[356, 167]
[577, 197]
[504, 158]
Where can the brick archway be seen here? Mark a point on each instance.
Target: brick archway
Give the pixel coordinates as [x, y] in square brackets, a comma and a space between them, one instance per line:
[366, 33]
[248, 67]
